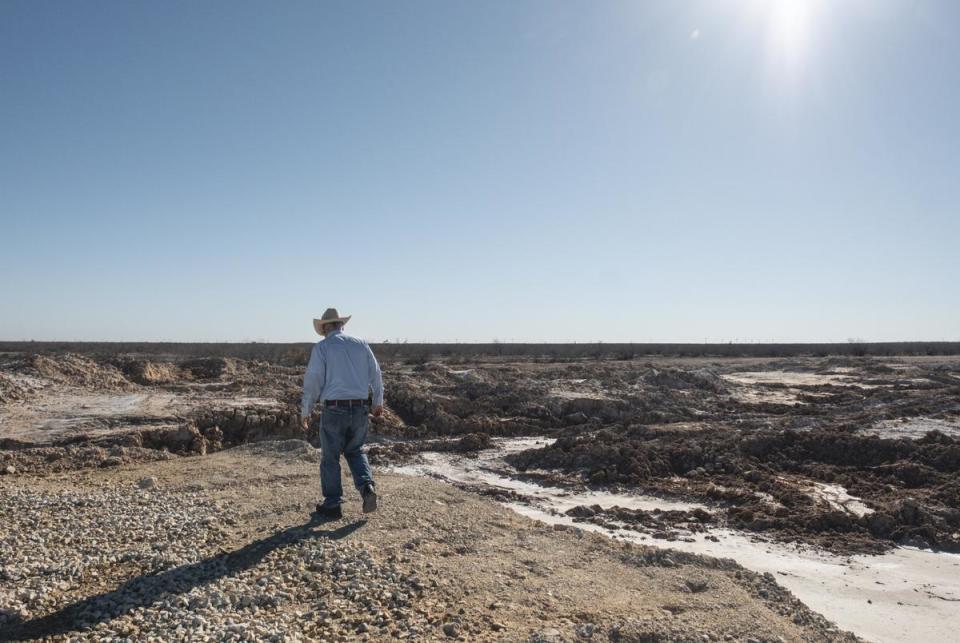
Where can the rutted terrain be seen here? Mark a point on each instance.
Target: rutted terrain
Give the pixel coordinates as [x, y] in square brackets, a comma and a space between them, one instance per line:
[842, 455]
[791, 469]
[692, 429]
[67, 411]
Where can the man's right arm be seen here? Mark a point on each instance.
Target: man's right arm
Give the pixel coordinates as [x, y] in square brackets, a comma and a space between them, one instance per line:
[313, 380]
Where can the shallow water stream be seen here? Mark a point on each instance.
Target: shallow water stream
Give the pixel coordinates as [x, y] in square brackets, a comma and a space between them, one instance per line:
[904, 595]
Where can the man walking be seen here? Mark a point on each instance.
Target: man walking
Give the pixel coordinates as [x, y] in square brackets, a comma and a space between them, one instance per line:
[341, 373]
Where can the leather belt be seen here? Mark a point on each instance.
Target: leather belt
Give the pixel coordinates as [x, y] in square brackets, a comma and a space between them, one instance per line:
[347, 403]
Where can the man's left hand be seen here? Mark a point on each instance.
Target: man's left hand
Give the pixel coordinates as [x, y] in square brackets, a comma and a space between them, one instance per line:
[305, 423]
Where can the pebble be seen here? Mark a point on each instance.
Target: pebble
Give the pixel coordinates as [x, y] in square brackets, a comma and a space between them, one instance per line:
[178, 584]
[549, 635]
[451, 629]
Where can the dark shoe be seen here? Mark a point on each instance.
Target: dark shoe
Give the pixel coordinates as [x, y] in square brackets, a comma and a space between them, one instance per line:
[369, 499]
[330, 513]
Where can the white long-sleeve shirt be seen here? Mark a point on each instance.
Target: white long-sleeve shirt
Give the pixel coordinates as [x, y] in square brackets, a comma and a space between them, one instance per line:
[341, 367]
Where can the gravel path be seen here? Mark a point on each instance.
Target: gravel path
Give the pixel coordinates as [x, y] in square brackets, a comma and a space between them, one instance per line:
[222, 547]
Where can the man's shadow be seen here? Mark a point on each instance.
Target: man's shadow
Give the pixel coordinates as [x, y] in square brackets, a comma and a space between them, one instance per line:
[146, 590]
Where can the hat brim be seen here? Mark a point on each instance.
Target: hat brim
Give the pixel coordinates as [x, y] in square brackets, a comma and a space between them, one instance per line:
[318, 323]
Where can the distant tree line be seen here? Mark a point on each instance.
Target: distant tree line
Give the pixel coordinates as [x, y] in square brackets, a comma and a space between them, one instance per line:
[298, 353]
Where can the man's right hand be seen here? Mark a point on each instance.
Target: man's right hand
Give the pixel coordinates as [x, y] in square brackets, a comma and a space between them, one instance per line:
[305, 423]
[377, 411]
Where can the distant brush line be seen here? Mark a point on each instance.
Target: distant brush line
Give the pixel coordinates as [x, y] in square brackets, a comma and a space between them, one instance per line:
[297, 353]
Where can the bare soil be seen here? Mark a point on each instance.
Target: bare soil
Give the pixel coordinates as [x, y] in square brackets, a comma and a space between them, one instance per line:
[708, 431]
[470, 569]
[848, 455]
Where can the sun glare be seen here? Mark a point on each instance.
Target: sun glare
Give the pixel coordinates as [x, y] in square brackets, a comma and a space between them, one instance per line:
[790, 26]
[791, 29]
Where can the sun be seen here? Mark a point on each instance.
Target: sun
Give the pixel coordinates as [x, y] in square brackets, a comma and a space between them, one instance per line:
[791, 30]
[790, 27]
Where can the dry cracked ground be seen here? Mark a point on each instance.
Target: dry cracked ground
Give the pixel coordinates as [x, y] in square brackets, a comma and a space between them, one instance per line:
[150, 496]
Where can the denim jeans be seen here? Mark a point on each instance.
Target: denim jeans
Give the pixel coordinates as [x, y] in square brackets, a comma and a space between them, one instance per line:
[343, 430]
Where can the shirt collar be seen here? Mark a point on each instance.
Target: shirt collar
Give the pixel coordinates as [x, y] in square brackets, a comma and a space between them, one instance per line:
[334, 332]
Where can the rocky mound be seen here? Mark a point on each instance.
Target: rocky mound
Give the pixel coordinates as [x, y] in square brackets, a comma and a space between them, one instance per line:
[13, 388]
[235, 426]
[394, 453]
[203, 368]
[437, 400]
[661, 524]
[283, 449]
[148, 373]
[57, 459]
[675, 378]
[75, 370]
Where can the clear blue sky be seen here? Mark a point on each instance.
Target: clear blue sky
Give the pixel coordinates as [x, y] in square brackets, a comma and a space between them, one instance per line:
[668, 170]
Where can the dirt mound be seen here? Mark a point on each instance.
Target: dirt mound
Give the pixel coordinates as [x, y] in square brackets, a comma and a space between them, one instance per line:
[75, 370]
[225, 427]
[185, 439]
[148, 373]
[13, 389]
[197, 436]
[204, 368]
[675, 378]
[393, 453]
[473, 442]
[390, 424]
[402, 452]
[45, 460]
[435, 400]
[443, 402]
[665, 525]
[781, 482]
[284, 449]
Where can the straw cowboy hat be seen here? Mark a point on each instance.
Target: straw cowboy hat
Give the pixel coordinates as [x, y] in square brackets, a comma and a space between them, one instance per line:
[330, 316]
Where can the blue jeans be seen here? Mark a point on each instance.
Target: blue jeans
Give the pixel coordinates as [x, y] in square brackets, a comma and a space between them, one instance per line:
[343, 430]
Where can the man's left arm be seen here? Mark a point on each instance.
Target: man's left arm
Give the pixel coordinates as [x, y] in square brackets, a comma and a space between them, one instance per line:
[376, 382]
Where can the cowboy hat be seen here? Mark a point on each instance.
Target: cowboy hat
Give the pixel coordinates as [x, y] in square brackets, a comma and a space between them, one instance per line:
[330, 316]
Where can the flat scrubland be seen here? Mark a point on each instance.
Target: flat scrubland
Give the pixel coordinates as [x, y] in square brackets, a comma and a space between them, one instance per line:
[170, 494]
[297, 354]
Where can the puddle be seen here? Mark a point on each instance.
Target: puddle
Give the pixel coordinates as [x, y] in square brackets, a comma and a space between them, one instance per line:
[489, 470]
[904, 595]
